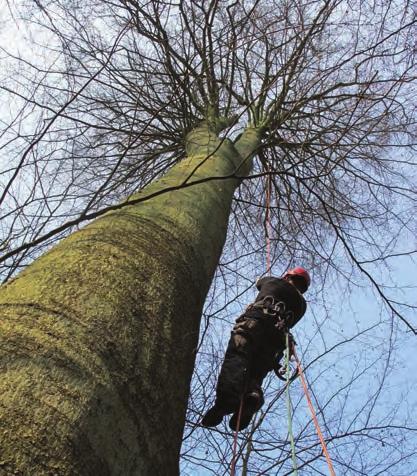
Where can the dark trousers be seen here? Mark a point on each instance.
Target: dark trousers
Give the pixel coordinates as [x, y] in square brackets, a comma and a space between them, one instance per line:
[249, 357]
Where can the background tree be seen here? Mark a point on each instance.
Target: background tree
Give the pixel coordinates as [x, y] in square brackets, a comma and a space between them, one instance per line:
[106, 108]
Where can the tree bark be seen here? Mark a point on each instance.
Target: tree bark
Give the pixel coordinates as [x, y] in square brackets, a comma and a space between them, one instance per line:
[98, 336]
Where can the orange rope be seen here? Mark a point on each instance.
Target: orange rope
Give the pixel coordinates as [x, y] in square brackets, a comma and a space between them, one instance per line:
[232, 469]
[268, 223]
[313, 413]
[300, 369]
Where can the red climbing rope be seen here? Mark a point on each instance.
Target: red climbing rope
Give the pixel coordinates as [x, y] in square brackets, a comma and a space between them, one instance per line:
[268, 221]
[233, 465]
[313, 413]
[299, 367]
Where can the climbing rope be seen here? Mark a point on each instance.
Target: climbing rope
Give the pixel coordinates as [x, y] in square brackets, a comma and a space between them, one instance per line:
[288, 380]
[313, 413]
[290, 351]
[233, 465]
[268, 221]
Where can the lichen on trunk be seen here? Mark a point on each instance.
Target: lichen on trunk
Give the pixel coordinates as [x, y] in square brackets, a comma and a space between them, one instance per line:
[99, 334]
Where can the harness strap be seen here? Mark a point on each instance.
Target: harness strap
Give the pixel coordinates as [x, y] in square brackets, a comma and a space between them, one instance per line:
[271, 307]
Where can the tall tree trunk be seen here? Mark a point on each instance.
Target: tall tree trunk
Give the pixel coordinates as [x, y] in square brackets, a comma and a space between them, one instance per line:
[99, 334]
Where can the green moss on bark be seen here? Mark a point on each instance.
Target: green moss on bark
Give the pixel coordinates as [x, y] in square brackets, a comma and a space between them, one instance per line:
[98, 335]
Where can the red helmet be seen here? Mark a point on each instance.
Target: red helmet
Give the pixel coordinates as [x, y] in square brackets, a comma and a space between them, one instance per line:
[299, 271]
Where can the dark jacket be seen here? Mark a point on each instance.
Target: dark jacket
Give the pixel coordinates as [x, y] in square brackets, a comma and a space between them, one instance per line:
[282, 290]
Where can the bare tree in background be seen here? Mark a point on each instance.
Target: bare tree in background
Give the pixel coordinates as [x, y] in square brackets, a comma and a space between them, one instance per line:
[178, 106]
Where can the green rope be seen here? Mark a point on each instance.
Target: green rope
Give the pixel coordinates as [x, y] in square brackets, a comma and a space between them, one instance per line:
[289, 406]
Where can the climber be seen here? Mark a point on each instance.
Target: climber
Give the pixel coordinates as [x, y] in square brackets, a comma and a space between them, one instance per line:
[258, 337]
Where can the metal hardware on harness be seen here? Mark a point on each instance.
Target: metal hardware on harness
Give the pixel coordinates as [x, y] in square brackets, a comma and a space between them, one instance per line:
[271, 307]
[279, 369]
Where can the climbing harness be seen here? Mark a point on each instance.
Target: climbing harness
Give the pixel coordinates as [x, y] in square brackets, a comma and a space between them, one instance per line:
[269, 305]
[277, 310]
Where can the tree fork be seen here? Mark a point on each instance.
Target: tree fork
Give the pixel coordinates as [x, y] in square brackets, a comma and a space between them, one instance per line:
[99, 334]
